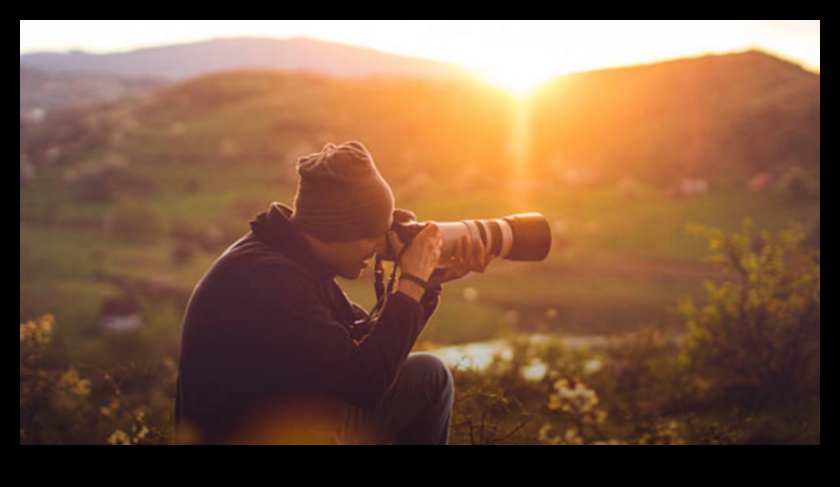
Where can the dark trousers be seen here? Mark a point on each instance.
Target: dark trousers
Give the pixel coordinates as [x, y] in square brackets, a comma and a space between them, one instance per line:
[415, 410]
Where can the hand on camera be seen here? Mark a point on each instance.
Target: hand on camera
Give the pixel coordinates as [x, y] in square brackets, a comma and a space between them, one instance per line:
[468, 256]
[422, 255]
[418, 259]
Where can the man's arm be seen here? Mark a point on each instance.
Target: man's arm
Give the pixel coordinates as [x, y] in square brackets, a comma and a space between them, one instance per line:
[311, 351]
[305, 349]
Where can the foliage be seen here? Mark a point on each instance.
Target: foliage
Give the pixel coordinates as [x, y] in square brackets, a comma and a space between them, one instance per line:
[582, 419]
[47, 394]
[61, 405]
[492, 405]
[578, 397]
[574, 401]
[760, 329]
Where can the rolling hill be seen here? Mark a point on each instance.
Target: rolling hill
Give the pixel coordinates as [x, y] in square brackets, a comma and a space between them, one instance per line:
[713, 117]
[718, 118]
[177, 62]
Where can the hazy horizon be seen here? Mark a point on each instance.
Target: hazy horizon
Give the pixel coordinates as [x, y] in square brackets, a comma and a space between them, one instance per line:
[514, 54]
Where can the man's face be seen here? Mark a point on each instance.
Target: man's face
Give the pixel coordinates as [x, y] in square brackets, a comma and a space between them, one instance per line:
[349, 259]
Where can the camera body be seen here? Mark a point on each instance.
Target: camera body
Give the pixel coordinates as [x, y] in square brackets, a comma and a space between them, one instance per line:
[520, 237]
[407, 230]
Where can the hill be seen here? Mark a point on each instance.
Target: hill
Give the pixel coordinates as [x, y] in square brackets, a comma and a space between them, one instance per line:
[713, 117]
[182, 61]
[716, 118]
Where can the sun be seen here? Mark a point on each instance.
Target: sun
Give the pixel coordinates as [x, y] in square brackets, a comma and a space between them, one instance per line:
[517, 83]
[516, 78]
[519, 72]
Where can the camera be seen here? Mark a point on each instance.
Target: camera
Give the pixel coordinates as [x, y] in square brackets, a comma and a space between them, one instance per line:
[520, 237]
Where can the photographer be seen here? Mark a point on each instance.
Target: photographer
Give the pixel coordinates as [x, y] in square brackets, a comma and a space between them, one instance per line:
[272, 351]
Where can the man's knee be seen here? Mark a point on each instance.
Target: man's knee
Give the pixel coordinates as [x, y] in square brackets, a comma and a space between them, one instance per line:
[430, 371]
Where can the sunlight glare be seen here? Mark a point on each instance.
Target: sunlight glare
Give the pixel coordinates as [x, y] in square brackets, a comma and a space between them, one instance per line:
[517, 74]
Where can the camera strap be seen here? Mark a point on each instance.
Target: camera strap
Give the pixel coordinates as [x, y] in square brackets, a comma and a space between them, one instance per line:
[378, 284]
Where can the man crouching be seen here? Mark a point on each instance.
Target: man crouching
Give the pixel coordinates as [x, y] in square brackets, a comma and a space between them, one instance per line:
[272, 350]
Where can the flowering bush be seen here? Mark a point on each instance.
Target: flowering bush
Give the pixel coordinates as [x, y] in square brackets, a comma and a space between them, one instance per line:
[577, 404]
[59, 405]
[48, 396]
[582, 421]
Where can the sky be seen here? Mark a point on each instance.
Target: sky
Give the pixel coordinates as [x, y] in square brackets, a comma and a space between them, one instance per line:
[515, 54]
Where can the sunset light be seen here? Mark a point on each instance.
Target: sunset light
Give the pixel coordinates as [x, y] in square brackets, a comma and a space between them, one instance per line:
[465, 232]
[515, 55]
[518, 76]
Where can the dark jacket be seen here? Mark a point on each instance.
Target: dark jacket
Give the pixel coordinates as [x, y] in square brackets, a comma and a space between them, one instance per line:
[268, 323]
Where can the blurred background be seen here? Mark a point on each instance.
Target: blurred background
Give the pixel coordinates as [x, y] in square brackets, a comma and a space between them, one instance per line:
[677, 163]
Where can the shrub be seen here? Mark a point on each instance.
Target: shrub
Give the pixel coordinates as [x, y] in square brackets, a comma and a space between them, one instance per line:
[51, 399]
[62, 404]
[759, 332]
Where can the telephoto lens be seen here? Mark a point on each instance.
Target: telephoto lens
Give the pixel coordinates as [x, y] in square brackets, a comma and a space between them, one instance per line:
[521, 237]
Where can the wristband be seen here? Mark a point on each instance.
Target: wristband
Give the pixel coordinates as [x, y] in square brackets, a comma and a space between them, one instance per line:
[414, 279]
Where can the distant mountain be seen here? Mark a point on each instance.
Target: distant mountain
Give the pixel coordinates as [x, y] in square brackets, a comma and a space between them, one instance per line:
[299, 54]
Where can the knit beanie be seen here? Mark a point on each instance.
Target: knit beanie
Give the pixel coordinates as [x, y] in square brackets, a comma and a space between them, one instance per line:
[341, 196]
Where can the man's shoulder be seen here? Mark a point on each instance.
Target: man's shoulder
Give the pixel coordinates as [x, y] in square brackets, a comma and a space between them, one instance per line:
[255, 255]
